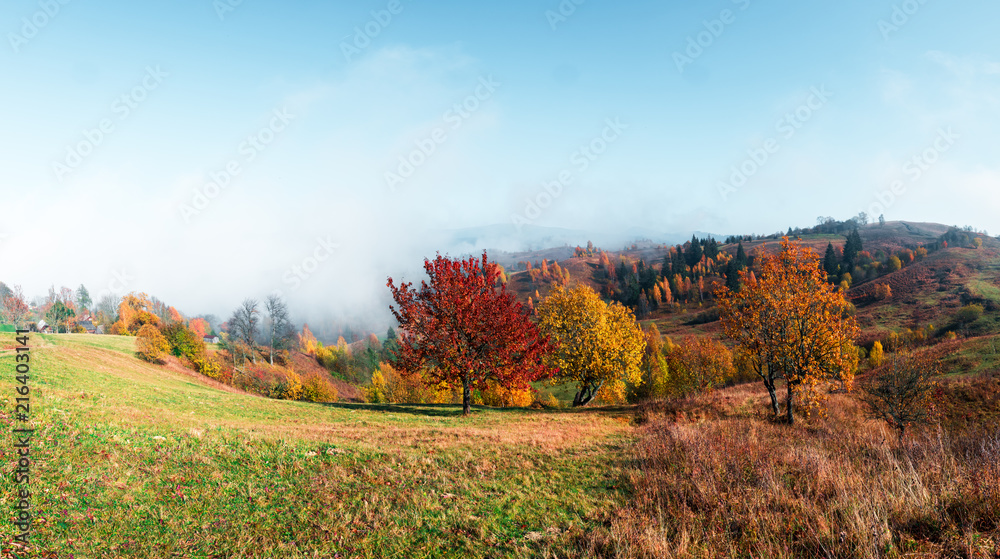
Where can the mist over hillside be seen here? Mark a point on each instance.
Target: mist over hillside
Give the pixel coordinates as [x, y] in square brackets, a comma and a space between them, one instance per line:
[348, 294]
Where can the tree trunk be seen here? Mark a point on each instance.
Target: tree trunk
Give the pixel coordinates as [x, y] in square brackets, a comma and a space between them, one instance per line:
[789, 405]
[466, 396]
[585, 395]
[774, 397]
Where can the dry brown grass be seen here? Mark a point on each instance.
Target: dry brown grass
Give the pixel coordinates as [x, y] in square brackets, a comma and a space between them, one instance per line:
[713, 477]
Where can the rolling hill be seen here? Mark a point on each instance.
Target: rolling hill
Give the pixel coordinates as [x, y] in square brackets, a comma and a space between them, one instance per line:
[132, 459]
[140, 460]
[926, 292]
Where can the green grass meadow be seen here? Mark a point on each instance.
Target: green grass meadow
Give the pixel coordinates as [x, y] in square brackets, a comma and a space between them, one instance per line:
[139, 460]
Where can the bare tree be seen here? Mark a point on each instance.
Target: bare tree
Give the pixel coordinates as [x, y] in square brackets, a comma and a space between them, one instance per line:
[107, 309]
[244, 324]
[15, 308]
[901, 393]
[278, 323]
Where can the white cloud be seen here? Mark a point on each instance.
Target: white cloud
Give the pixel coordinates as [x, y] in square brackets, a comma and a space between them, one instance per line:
[966, 67]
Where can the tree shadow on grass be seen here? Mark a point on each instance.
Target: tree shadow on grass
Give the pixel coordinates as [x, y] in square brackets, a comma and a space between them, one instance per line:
[455, 410]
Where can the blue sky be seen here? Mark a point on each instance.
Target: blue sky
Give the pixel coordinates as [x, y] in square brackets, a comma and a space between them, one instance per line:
[536, 85]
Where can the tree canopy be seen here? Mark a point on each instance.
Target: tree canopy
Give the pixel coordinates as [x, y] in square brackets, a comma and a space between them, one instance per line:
[791, 323]
[597, 345]
[463, 326]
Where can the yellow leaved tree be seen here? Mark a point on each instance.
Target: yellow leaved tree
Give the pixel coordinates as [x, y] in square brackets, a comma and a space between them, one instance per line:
[598, 346]
[877, 354]
[792, 324]
[150, 344]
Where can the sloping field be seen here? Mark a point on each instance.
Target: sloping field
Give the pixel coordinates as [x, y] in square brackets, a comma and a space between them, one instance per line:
[138, 460]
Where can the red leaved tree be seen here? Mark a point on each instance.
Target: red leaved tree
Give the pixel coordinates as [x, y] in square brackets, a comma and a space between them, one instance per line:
[464, 327]
[200, 327]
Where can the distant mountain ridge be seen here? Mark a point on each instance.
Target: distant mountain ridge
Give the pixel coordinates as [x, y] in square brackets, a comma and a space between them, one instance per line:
[506, 237]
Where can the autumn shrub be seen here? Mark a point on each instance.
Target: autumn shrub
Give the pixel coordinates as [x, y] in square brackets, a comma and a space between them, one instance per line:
[208, 365]
[697, 365]
[284, 384]
[318, 389]
[150, 345]
[969, 313]
[119, 329]
[183, 342]
[876, 355]
[882, 292]
[140, 319]
[287, 387]
[225, 373]
[498, 396]
[327, 356]
[743, 368]
[186, 344]
[265, 380]
[655, 371]
[389, 386]
[901, 392]
[543, 399]
[376, 393]
[282, 357]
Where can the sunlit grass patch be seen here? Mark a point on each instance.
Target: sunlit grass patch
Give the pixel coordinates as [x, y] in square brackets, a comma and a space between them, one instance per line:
[139, 460]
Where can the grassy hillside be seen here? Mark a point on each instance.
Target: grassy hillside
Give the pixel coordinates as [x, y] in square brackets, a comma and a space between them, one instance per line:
[139, 460]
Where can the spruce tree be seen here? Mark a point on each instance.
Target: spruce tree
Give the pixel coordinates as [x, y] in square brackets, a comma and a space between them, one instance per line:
[694, 253]
[732, 276]
[851, 248]
[830, 261]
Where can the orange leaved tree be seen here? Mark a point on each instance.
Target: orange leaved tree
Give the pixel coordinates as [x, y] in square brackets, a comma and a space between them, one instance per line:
[790, 323]
[200, 327]
[464, 327]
